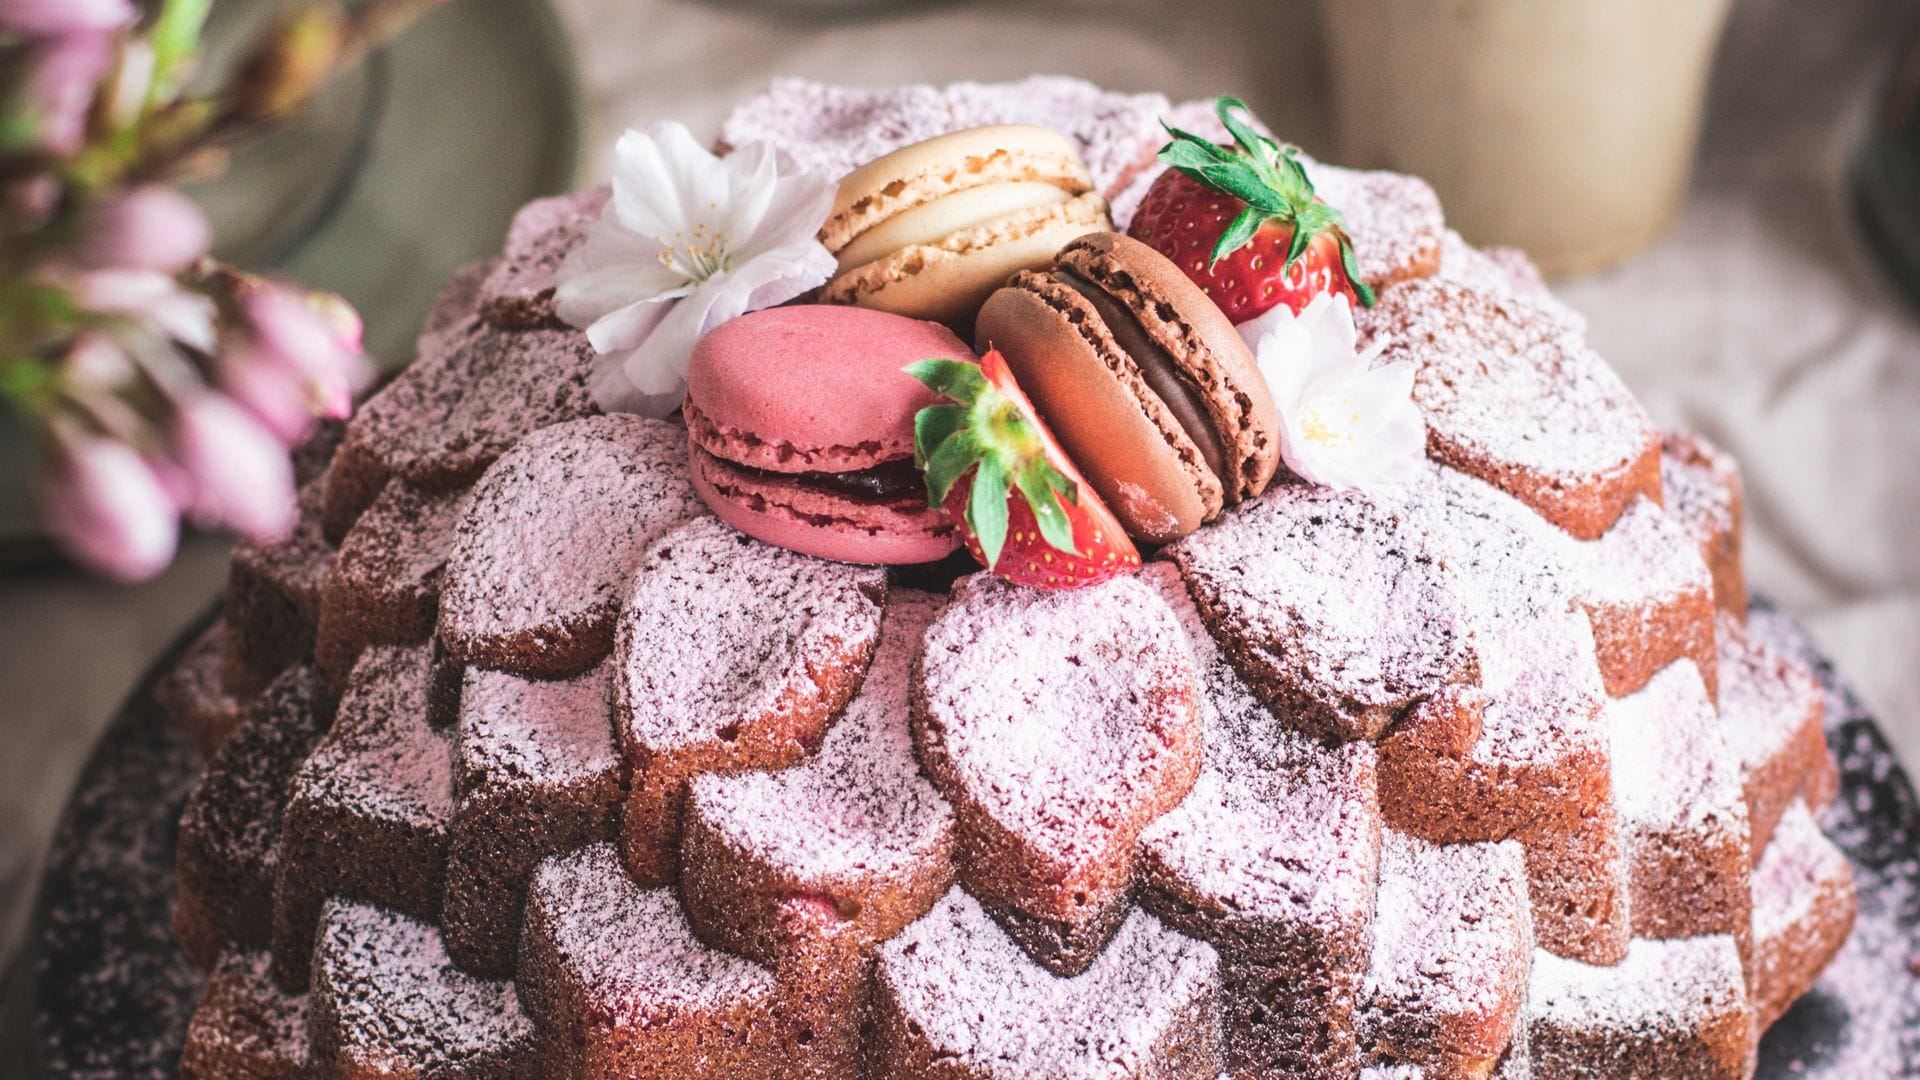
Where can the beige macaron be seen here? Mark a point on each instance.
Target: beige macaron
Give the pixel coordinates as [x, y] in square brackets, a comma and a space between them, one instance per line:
[932, 229]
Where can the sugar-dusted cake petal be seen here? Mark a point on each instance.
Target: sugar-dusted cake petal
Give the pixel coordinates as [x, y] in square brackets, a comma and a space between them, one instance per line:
[246, 1026]
[1704, 493]
[1334, 607]
[1272, 858]
[367, 813]
[387, 1002]
[1650, 597]
[856, 826]
[1678, 787]
[1059, 725]
[955, 997]
[833, 130]
[383, 587]
[1452, 951]
[614, 974]
[1512, 395]
[474, 392]
[1803, 909]
[733, 655]
[518, 290]
[228, 849]
[1671, 1010]
[550, 537]
[273, 597]
[195, 695]
[1771, 713]
[536, 773]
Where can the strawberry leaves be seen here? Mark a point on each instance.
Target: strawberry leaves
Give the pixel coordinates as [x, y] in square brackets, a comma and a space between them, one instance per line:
[989, 434]
[1270, 180]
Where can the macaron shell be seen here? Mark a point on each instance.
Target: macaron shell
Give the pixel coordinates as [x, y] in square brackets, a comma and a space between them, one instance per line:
[948, 281]
[1119, 434]
[812, 387]
[793, 515]
[1213, 360]
[940, 166]
[931, 222]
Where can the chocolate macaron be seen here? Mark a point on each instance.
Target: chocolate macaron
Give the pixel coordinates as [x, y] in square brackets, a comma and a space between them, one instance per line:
[800, 421]
[1143, 379]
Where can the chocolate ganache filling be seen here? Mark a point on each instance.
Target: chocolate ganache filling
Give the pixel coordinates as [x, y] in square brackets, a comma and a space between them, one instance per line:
[890, 481]
[1157, 366]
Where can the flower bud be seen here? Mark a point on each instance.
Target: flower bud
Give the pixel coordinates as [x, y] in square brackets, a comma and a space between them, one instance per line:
[145, 228]
[152, 298]
[239, 474]
[318, 341]
[53, 18]
[58, 82]
[108, 509]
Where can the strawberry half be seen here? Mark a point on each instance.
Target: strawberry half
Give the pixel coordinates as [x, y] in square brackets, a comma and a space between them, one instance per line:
[994, 467]
[1244, 223]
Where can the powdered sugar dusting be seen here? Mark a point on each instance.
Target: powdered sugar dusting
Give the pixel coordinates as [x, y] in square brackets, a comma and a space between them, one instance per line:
[1333, 605]
[858, 807]
[1512, 394]
[1663, 989]
[386, 997]
[966, 991]
[1452, 948]
[551, 535]
[515, 730]
[474, 391]
[835, 129]
[628, 948]
[1647, 559]
[518, 291]
[1767, 700]
[1702, 486]
[1672, 771]
[721, 630]
[381, 760]
[1280, 832]
[1068, 718]
[246, 1017]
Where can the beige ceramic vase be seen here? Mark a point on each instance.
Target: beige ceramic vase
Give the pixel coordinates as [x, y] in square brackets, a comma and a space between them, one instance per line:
[1564, 127]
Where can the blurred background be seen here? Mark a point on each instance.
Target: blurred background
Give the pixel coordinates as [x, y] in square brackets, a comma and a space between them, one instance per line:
[1747, 290]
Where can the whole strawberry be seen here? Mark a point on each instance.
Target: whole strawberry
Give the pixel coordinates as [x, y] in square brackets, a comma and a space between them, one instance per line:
[1244, 223]
[990, 462]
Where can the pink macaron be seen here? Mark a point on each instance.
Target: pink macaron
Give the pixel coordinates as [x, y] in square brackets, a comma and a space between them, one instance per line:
[801, 425]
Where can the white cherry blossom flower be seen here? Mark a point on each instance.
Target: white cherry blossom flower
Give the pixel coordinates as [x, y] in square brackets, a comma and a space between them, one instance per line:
[689, 241]
[1345, 422]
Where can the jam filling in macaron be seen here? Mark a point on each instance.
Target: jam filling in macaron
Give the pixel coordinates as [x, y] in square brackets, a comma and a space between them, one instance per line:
[1143, 379]
[800, 421]
[932, 228]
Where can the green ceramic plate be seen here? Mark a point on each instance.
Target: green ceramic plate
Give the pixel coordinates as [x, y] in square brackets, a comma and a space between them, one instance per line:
[402, 172]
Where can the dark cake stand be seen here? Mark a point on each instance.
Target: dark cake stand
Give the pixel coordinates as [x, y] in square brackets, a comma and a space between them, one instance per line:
[101, 989]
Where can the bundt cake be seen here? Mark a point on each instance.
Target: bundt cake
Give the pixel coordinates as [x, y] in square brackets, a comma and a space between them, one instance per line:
[521, 763]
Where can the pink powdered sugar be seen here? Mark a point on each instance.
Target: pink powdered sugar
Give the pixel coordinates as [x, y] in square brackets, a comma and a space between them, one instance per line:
[1060, 714]
[721, 629]
[1798, 878]
[970, 993]
[518, 291]
[386, 994]
[1452, 948]
[553, 733]
[860, 806]
[1280, 830]
[835, 129]
[245, 1013]
[554, 530]
[628, 948]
